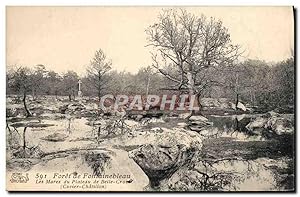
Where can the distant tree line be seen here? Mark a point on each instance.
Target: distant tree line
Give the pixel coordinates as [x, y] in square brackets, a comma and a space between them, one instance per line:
[265, 85]
[262, 84]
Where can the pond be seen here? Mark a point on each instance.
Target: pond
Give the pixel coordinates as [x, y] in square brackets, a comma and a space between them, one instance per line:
[240, 160]
[263, 162]
[234, 126]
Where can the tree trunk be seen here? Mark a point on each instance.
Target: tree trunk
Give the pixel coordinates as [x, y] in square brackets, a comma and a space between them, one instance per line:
[237, 91]
[73, 94]
[99, 94]
[237, 126]
[237, 101]
[28, 114]
[24, 141]
[99, 85]
[198, 103]
[192, 91]
[98, 134]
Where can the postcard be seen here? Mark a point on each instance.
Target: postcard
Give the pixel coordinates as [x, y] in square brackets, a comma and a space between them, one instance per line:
[150, 99]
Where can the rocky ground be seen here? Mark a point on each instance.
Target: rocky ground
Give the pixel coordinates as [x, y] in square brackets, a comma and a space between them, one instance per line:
[216, 151]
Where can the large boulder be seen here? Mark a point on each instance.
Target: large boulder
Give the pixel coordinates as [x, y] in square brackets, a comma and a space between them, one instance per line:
[77, 109]
[159, 162]
[272, 122]
[198, 123]
[198, 118]
[216, 103]
[241, 106]
[165, 153]
[257, 125]
[280, 125]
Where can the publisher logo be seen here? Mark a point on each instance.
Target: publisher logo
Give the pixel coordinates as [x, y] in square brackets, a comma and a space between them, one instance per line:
[18, 177]
[141, 102]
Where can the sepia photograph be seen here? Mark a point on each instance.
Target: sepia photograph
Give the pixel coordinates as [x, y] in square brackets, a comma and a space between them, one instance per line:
[150, 98]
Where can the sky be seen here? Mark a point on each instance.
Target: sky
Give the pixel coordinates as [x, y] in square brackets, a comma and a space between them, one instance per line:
[66, 38]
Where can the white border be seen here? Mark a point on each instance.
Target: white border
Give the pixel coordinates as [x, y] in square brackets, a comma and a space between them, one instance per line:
[150, 2]
[115, 3]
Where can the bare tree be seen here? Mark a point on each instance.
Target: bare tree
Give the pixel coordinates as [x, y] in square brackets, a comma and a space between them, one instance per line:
[98, 71]
[192, 46]
[21, 82]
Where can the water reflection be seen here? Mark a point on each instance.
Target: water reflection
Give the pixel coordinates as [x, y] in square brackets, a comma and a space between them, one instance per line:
[227, 174]
[237, 159]
[250, 161]
[233, 126]
[49, 135]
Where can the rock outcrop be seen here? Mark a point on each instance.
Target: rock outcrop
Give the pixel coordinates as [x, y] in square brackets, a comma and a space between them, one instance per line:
[215, 103]
[79, 109]
[198, 123]
[166, 153]
[222, 104]
[272, 122]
